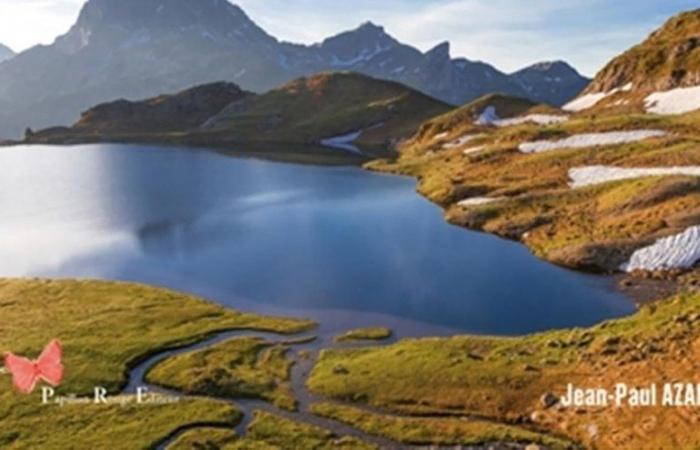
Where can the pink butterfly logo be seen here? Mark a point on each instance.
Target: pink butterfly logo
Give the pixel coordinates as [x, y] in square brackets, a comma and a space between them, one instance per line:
[26, 373]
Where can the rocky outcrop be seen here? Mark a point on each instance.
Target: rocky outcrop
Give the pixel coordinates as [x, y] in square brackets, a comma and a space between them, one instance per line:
[667, 59]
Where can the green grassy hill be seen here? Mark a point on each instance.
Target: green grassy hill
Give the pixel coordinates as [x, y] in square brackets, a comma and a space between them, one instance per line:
[309, 110]
[306, 111]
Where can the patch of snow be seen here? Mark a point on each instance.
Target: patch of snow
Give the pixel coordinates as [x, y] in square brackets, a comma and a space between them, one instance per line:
[675, 101]
[344, 142]
[590, 140]
[460, 141]
[626, 88]
[679, 251]
[591, 175]
[584, 102]
[541, 119]
[590, 100]
[477, 201]
[488, 116]
[472, 150]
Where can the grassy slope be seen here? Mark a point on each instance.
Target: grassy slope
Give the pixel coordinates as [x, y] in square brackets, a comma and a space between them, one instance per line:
[456, 121]
[241, 367]
[505, 378]
[105, 327]
[434, 431]
[303, 112]
[327, 105]
[365, 334]
[268, 432]
[668, 58]
[593, 228]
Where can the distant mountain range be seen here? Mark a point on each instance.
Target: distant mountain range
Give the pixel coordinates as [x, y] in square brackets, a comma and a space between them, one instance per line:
[5, 52]
[141, 48]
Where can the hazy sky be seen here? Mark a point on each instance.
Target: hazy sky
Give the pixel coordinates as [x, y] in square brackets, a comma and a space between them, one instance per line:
[507, 33]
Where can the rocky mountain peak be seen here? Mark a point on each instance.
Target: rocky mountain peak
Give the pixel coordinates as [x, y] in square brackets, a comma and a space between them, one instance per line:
[440, 51]
[358, 45]
[5, 52]
[551, 82]
[102, 21]
[553, 68]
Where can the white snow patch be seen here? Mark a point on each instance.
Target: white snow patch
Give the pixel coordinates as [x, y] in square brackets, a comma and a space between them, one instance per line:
[584, 102]
[460, 141]
[472, 150]
[590, 140]
[590, 100]
[487, 117]
[675, 101]
[476, 201]
[679, 251]
[590, 175]
[625, 88]
[541, 119]
[344, 142]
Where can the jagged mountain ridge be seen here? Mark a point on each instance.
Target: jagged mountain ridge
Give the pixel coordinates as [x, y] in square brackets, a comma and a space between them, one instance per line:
[141, 48]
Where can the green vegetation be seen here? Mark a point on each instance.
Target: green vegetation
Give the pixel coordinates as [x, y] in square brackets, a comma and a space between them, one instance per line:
[434, 431]
[287, 434]
[593, 228]
[240, 367]
[205, 439]
[308, 110]
[27, 424]
[506, 378]
[105, 328]
[300, 114]
[669, 57]
[365, 334]
[268, 432]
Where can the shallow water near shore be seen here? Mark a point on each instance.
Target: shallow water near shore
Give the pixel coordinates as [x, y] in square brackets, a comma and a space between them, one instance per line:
[339, 245]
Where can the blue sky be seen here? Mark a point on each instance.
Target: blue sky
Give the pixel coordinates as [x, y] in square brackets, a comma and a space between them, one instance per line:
[507, 33]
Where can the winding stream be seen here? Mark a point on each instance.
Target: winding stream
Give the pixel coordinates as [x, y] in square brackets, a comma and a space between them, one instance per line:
[341, 246]
[299, 374]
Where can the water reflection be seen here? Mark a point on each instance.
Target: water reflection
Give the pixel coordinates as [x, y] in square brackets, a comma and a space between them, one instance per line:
[276, 237]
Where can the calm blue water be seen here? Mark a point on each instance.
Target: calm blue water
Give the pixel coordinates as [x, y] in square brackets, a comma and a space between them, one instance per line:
[335, 244]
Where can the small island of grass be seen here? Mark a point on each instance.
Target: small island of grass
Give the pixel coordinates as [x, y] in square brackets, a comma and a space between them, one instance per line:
[365, 334]
[238, 368]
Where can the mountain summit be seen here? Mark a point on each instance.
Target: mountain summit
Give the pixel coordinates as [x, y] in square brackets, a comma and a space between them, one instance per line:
[5, 53]
[551, 82]
[135, 49]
